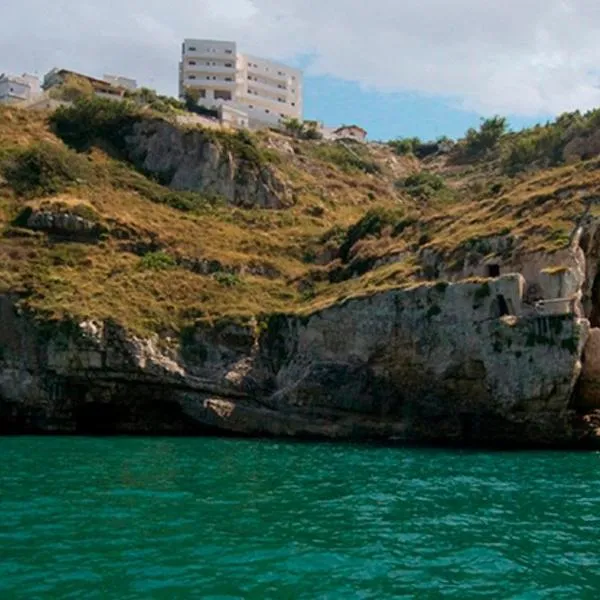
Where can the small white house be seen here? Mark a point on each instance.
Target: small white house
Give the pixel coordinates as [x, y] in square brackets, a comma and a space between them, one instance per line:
[16, 89]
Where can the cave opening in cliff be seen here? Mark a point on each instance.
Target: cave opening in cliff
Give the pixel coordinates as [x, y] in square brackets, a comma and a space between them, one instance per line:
[493, 270]
[97, 418]
[595, 308]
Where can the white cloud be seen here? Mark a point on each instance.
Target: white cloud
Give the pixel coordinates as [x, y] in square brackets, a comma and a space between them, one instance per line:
[511, 56]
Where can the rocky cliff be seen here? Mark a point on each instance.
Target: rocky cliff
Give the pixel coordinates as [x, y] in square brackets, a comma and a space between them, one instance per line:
[442, 363]
[144, 288]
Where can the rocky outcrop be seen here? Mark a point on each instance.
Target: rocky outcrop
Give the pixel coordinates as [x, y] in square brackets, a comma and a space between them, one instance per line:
[195, 160]
[442, 363]
[64, 223]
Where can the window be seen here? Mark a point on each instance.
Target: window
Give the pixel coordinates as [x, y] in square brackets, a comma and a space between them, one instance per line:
[208, 64]
[228, 65]
[228, 51]
[228, 79]
[282, 115]
[267, 110]
[281, 99]
[192, 62]
[293, 104]
[493, 270]
[280, 73]
[250, 106]
[192, 77]
[201, 93]
[214, 78]
[192, 48]
[222, 95]
[208, 77]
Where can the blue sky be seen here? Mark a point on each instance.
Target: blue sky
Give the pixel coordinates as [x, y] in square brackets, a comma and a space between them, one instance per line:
[390, 115]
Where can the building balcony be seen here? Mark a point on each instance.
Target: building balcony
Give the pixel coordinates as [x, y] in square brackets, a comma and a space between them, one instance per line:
[271, 75]
[270, 89]
[209, 83]
[203, 54]
[202, 67]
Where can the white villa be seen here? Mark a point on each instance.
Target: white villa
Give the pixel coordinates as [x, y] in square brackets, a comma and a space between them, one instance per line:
[265, 92]
[14, 89]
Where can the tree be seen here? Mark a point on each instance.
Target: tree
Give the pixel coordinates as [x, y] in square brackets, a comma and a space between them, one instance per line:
[294, 127]
[488, 136]
[72, 89]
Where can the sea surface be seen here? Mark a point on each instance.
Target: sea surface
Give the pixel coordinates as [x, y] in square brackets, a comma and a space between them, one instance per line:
[222, 519]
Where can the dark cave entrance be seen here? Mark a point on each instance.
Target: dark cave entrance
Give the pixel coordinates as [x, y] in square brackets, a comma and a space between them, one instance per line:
[94, 418]
[595, 308]
[493, 270]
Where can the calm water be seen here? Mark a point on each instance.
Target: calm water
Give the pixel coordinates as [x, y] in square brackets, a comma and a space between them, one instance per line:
[223, 519]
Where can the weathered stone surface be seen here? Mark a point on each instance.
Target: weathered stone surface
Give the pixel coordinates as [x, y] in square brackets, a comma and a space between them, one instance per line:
[435, 363]
[189, 160]
[588, 396]
[63, 223]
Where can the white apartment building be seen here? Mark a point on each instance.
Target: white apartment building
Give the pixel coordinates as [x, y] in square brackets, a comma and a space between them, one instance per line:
[268, 92]
[14, 89]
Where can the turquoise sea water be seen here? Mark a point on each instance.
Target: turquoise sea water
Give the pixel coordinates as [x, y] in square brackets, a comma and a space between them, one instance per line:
[223, 519]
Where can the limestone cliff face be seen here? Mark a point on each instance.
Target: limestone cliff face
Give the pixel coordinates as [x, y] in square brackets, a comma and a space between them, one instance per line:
[443, 363]
[189, 160]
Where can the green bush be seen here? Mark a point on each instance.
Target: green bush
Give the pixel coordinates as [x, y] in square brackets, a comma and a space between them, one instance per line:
[424, 185]
[347, 160]
[94, 120]
[162, 104]
[478, 142]
[226, 279]
[371, 225]
[404, 146]
[157, 261]
[45, 169]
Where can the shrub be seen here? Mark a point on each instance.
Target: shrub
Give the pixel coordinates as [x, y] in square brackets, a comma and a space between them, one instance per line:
[372, 224]
[73, 89]
[478, 142]
[191, 98]
[404, 146]
[157, 261]
[157, 102]
[424, 185]
[347, 160]
[97, 119]
[226, 279]
[45, 169]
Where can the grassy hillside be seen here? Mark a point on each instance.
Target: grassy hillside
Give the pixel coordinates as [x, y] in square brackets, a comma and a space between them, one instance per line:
[361, 218]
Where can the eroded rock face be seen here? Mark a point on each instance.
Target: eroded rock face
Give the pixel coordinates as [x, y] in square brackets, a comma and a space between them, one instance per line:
[189, 160]
[64, 224]
[444, 363]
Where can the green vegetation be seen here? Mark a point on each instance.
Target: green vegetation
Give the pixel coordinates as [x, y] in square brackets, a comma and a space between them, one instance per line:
[372, 224]
[347, 159]
[425, 186]
[478, 142]
[307, 130]
[45, 169]
[359, 219]
[88, 122]
[157, 261]
[192, 96]
[161, 104]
